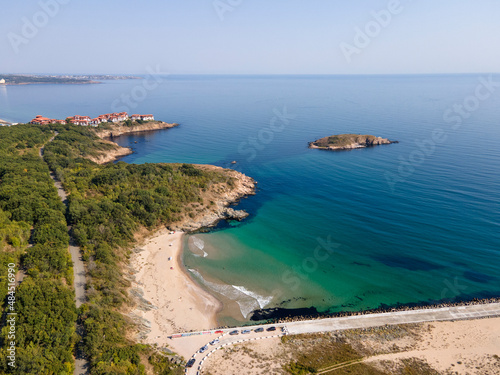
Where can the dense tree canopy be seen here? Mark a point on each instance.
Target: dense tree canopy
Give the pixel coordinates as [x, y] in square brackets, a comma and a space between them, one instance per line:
[34, 237]
[107, 204]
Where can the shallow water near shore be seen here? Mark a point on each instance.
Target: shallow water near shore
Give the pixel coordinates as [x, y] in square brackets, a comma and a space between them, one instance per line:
[411, 222]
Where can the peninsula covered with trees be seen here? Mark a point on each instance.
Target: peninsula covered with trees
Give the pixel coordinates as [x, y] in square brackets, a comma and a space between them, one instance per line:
[107, 206]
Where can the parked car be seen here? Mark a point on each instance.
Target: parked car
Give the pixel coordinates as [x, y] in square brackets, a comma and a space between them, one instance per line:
[235, 332]
[260, 329]
[191, 362]
[271, 329]
[245, 331]
[213, 342]
[204, 349]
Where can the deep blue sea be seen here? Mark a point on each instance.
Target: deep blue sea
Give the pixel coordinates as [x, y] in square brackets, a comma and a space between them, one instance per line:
[412, 222]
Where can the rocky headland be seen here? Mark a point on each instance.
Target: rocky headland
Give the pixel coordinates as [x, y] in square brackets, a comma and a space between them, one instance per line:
[218, 200]
[113, 151]
[115, 130]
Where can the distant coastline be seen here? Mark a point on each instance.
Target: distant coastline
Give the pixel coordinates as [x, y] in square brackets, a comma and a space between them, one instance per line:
[36, 79]
[51, 83]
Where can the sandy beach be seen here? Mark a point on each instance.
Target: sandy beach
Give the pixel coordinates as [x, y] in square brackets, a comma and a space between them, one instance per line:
[178, 304]
[464, 347]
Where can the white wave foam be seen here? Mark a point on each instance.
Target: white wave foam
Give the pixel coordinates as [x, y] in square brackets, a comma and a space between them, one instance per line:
[262, 300]
[199, 244]
[246, 307]
[247, 300]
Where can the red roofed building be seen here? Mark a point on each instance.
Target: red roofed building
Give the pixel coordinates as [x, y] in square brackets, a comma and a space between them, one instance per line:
[122, 116]
[40, 120]
[86, 120]
[80, 120]
[95, 121]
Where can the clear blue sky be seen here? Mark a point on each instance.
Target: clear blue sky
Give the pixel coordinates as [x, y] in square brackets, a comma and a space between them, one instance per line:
[254, 37]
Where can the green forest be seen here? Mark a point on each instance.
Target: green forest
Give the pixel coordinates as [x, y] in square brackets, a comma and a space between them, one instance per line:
[107, 204]
[33, 235]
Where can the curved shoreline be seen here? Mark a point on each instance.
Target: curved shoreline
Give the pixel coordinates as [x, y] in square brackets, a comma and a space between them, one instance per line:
[107, 136]
[190, 277]
[167, 299]
[160, 312]
[284, 315]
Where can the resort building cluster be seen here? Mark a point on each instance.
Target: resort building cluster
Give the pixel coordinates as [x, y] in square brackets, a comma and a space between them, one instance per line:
[88, 121]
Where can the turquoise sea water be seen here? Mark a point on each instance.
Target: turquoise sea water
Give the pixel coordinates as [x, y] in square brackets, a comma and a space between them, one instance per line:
[339, 231]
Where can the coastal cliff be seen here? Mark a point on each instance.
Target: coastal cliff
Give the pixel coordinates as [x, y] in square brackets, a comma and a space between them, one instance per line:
[349, 142]
[114, 153]
[115, 130]
[217, 200]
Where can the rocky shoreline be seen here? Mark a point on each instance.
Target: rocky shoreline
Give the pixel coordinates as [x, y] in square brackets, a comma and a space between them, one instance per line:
[113, 131]
[244, 186]
[111, 156]
[120, 129]
[348, 142]
[223, 198]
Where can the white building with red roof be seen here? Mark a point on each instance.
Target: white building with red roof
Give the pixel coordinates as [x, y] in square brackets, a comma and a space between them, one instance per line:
[40, 120]
[86, 120]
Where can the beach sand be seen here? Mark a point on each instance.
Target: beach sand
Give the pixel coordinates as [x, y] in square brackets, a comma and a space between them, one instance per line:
[179, 304]
[462, 347]
[468, 347]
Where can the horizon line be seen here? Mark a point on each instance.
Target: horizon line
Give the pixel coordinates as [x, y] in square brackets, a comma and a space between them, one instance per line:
[258, 74]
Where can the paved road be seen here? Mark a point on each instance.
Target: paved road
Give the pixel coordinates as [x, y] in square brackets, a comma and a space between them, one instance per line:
[399, 317]
[337, 324]
[80, 280]
[78, 265]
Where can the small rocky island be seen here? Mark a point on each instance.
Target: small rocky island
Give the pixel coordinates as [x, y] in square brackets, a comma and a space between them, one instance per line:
[349, 142]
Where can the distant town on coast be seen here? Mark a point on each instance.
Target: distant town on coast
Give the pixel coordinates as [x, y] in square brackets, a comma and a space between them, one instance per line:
[88, 121]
